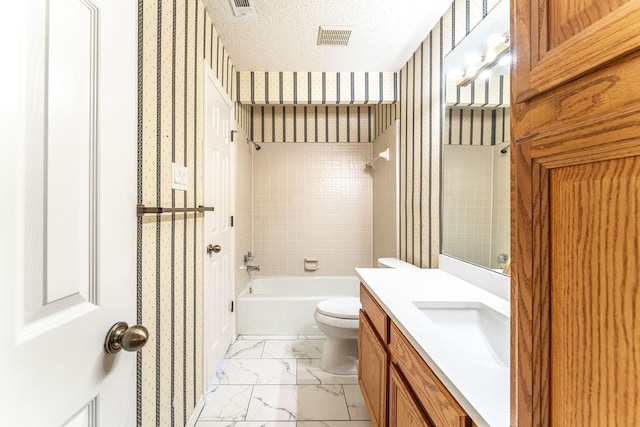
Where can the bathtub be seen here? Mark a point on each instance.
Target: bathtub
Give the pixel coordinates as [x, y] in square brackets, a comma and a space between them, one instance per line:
[285, 305]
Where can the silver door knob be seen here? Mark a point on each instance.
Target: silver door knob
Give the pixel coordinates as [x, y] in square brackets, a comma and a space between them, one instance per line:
[121, 336]
[213, 248]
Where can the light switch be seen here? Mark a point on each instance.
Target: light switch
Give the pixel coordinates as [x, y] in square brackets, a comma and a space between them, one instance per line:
[179, 177]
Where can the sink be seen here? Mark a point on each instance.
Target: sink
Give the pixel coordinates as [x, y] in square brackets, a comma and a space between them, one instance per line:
[474, 328]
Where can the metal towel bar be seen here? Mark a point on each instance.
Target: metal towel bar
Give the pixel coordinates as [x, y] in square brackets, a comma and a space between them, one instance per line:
[142, 209]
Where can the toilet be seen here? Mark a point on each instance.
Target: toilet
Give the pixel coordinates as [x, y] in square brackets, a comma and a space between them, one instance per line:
[394, 263]
[338, 319]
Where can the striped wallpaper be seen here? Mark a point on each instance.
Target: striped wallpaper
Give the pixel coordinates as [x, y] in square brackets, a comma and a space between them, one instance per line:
[316, 123]
[421, 88]
[492, 92]
[174, 37]
[476, 126]
[294, 88]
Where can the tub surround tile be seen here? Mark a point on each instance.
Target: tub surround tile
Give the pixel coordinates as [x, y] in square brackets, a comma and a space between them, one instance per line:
[355, 402]
[300, 402]
[310, 372]
[245, 349]
[257, 371]
[298, 349]
[227, 402]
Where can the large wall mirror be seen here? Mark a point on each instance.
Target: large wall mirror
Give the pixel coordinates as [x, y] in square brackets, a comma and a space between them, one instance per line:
[475, 206]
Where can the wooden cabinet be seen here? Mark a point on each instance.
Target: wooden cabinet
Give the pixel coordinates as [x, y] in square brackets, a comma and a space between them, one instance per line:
[404, 409]
[575, 123]
[441, 407]
[398, 387]
[373, 364]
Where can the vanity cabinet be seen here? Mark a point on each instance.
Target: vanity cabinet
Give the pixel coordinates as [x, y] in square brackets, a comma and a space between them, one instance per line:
[404, 409]
[373, 366]
[575, 153]
[398, 387]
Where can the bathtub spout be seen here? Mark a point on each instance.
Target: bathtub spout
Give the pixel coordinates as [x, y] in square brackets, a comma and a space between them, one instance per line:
[253, 268]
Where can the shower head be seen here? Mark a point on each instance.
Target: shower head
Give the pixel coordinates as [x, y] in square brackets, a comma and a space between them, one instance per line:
[505, 149]
[255, 144]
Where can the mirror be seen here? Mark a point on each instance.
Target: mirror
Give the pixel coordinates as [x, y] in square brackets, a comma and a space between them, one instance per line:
[476, 136]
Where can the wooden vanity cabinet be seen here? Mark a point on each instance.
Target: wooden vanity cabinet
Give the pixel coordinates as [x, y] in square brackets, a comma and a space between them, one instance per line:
[440, 406]
[404, 409]
[373, 366]
[398, 387]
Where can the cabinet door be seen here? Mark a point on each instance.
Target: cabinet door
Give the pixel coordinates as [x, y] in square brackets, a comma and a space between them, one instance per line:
[576, 221]
[373, 368]
[404, 411]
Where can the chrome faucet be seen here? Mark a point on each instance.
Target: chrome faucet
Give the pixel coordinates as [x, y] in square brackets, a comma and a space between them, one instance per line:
[248, 262]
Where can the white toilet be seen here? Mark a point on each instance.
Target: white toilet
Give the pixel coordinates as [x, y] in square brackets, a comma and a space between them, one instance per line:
[394, 263]
[338, 319]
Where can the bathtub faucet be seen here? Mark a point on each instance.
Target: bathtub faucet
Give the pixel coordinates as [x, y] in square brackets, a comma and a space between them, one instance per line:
[248, 262]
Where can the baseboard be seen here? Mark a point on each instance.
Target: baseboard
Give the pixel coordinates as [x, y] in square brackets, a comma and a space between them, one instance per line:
[196, 412]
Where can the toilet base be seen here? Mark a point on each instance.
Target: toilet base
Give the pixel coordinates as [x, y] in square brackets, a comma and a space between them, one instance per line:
[340, 356]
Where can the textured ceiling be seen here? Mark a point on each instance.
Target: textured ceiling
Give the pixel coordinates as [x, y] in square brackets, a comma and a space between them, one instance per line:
[282, 35]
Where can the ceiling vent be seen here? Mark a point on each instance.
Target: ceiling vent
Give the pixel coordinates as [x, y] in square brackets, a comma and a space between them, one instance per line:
[242, 7]
[333, 36]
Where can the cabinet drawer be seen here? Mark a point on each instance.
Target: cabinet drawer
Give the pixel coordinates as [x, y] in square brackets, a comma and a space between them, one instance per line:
[375, 313]
[438, 403]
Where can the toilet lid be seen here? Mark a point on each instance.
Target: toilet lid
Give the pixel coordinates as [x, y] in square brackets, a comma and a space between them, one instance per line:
[343, 308]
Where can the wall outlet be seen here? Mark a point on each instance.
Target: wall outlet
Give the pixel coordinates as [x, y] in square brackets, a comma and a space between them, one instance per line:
[179, 177]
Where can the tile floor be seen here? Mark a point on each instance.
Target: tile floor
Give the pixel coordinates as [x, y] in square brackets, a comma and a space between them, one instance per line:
[276, 381]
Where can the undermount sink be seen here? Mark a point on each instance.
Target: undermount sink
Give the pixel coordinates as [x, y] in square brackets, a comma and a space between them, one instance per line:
[474, 328]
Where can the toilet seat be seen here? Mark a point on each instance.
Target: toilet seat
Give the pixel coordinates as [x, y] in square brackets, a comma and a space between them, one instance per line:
[341, 308]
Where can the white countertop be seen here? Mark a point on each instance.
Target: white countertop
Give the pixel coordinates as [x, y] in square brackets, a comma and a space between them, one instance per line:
[482, 390]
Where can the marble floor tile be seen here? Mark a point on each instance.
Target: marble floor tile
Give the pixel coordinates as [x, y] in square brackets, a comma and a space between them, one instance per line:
[312, 337]
[267, 337]
[227, 402]
[355, 402]
[333, 424]
[245, 349]
[297, 349]
[301, 402]
[205, 423]
[256, 371]
[310, 372]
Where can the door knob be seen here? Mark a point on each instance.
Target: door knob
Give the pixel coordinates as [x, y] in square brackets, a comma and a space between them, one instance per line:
[213, 248]
[121, 336]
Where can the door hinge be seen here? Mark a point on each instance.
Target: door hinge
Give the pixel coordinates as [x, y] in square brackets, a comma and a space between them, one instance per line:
[232, 132]
[232, 220]
[232, 306]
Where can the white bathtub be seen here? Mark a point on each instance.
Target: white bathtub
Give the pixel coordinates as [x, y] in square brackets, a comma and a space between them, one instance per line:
[285, 305]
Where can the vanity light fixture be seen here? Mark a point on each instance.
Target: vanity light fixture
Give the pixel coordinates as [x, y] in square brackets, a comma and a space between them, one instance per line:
[498, 47]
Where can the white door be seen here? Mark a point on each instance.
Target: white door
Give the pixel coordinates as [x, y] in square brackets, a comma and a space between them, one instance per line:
[218, 284]
[67, 223]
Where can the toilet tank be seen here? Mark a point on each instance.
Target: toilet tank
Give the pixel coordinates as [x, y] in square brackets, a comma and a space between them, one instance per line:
[394, 263]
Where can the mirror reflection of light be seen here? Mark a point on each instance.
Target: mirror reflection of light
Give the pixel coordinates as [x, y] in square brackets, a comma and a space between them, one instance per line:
[505, 60]
[472, 59]
[495, 39]
[456, 73]
[484, 75]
